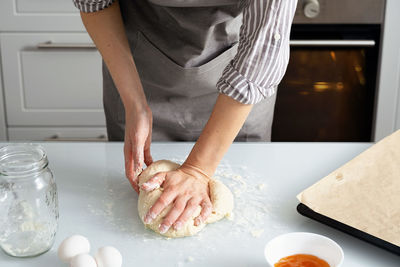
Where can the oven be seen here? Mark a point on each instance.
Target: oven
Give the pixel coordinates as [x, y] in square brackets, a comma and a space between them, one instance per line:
[328, 92]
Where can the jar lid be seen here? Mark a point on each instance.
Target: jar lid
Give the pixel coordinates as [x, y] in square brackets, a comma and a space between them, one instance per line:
[22, 159]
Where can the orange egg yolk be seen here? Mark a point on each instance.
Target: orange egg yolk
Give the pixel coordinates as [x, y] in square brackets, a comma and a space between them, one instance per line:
[301, 260]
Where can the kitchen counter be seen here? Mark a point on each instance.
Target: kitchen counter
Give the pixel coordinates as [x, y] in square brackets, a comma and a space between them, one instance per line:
[95, 200]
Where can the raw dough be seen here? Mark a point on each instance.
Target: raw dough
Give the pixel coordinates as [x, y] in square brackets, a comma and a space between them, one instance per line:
[220, 195]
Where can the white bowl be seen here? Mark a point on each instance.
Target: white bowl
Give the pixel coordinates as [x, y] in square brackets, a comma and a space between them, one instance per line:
[303, 243]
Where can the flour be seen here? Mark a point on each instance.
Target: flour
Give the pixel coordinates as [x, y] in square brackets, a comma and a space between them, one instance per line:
[254, 206]
[257, 232]
[249, 212]
[261, 187]
[26, 233]
[250, 209]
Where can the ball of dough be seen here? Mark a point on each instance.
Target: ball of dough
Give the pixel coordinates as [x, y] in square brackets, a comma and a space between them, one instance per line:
[108, 257]
[73, 246]
[221, 198]
[82, 260]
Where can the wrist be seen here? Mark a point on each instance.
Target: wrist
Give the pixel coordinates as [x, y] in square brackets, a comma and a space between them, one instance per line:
[203, 158]
[136, 106]
[195, 172]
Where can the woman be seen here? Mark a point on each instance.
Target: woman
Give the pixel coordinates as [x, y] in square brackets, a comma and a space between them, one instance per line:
[180, 63]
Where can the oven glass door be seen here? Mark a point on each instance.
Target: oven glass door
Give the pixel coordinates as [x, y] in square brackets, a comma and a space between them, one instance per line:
[328, 92]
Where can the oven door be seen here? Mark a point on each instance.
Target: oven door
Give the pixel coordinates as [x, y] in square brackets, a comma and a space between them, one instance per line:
[328, 90]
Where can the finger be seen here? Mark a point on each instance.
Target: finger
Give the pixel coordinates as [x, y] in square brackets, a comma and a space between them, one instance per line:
[148, 159]
[206, 209]
[129, 166]
[190, 208]
[137, 154]
[128, 160]
[154, 182]
[175, 212]
[134, 185]
[163, 201]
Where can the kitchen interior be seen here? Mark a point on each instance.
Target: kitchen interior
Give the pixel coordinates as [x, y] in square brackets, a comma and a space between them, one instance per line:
[335, 121]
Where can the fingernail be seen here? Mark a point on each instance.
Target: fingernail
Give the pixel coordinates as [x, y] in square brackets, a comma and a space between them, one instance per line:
[163, 228]
[149, 217]
[197, 221]
[150, 186]
[177, 226]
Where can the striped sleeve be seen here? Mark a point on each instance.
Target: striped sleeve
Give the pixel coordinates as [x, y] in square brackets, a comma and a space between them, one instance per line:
[263, 51]
[88, 6]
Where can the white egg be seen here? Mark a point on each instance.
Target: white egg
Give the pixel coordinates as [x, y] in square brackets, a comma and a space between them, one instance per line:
[72, 246]
[108, 257]
[82, 260]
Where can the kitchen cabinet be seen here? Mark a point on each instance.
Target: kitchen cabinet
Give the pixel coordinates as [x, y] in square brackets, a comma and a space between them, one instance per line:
[39, 15]
[57, 133]
[49, 86]
[51, 71]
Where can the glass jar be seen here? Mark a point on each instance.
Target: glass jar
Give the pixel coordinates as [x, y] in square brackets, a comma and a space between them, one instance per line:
[28, 201]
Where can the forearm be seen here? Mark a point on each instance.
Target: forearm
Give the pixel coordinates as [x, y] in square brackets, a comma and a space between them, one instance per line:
[226, 120]
[106, 29]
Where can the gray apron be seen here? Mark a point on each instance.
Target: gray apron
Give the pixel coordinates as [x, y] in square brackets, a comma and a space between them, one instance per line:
[180, 48]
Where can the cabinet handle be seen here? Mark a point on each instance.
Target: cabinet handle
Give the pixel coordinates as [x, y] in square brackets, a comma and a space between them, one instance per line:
[57, 138]
[341, 43]
[50, 44]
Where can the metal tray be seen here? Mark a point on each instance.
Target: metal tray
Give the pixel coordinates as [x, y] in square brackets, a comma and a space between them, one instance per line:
[306, 211]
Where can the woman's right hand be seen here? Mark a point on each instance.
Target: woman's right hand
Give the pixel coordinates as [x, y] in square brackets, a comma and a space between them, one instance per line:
[138, 129]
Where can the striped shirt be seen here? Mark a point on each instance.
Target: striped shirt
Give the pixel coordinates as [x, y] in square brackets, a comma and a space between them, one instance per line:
[263, 51]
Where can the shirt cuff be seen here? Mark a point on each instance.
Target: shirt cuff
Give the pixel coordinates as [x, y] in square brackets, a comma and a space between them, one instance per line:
[232, 83]
[88, 6]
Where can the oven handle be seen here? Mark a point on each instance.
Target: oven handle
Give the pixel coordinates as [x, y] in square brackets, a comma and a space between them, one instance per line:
[341, 43]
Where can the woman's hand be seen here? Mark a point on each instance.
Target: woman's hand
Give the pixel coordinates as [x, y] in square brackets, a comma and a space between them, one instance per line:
[138, 128]
[186, 188]
[106, 28]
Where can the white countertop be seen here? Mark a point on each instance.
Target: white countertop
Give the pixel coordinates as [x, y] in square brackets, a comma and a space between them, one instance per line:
[96, 201]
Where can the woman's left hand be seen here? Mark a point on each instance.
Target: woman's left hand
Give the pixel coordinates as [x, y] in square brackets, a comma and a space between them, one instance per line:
[187, 189]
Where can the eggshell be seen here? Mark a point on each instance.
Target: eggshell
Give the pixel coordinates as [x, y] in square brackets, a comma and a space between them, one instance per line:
[83, 260]
[108, 257]
[72, 246]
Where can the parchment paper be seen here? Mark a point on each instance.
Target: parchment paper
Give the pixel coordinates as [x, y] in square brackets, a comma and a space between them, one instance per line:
[364, 193]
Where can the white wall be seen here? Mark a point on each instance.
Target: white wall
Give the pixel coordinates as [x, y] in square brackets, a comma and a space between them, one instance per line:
[388, 114]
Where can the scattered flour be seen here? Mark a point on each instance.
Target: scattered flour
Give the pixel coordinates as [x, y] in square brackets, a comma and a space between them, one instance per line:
[253, 206]
[261, 186]
[257, 232]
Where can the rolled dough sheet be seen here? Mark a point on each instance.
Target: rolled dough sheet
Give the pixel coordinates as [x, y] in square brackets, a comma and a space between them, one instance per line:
[364, 193]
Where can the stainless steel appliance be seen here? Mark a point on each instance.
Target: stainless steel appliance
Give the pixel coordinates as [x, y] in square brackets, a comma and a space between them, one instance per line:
[328, 92]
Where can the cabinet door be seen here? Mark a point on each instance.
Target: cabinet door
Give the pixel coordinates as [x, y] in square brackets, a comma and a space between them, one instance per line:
[59, 134]
[39, 15]
[51, 80]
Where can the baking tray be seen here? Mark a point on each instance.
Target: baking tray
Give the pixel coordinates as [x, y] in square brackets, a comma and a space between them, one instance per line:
[306, 211]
